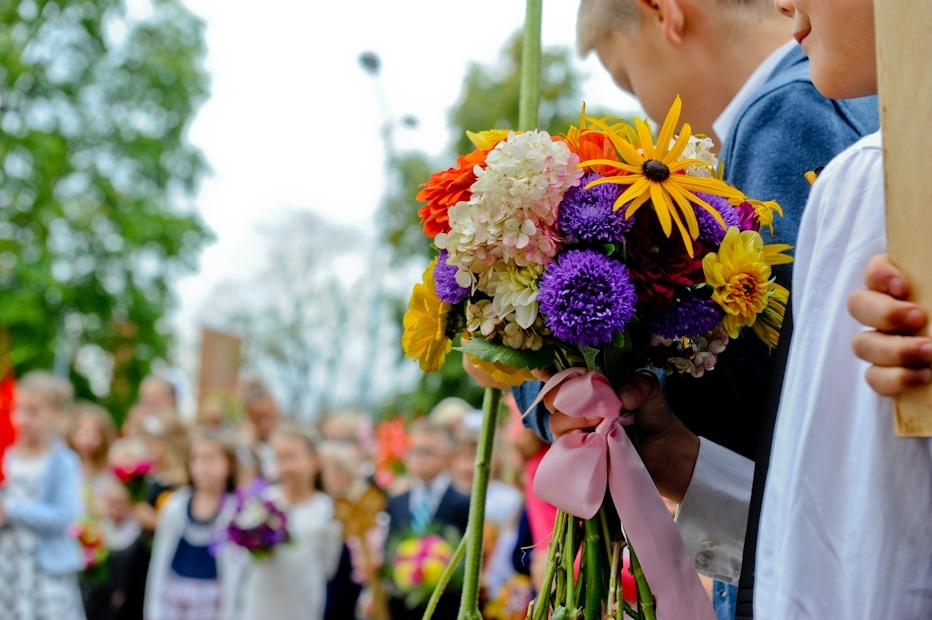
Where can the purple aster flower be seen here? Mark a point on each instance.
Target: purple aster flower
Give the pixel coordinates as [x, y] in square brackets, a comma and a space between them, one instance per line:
[710, 231]
[588, 214]
[445, 281]
[686, 318]
[586, 297]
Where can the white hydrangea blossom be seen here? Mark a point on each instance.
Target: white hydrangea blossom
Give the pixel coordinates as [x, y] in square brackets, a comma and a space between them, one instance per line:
[515, 289]
[700, 147]
[253, 514]
[512, 213]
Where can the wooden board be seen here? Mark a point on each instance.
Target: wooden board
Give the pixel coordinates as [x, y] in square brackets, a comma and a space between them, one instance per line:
[904, 53]
[220, 362]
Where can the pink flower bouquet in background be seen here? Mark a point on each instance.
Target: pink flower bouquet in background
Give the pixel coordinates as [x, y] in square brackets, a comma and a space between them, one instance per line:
[93, 545]
[133, 476]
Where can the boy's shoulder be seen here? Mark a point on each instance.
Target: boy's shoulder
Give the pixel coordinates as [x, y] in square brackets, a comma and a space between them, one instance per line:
[858, 164]
[789, 98]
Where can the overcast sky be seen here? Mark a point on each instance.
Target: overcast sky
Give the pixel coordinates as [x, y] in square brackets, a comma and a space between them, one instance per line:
[293, 121]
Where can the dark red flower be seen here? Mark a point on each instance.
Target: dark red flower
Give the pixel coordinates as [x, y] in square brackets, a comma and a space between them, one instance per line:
[658, 264]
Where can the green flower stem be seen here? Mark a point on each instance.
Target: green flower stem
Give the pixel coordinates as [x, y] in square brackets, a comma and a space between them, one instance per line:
[542, 605]
[594, 560]
[606, 533]
[529, 104]
[448, 572]
[469, 605]
[611, 605]
[569, 559]
[645, 598]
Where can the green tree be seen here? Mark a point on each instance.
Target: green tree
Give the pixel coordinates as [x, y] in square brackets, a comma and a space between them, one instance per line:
[489, 100]
[94, 105]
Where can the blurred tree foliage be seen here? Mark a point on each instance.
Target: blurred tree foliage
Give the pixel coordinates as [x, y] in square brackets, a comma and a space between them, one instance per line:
[489, 100]
[94, 105]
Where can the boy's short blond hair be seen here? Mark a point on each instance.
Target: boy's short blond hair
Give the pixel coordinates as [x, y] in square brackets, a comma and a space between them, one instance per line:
[56, 391]
[597, 19]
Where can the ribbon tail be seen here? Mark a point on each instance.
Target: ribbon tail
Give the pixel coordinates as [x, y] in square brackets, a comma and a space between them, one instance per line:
[654, 535]
[573, 474]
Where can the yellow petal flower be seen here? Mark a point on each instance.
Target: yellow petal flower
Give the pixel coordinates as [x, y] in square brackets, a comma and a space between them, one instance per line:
[740, 278]
[425, 325]
[652, 174]
[503, 373]
[486, 140]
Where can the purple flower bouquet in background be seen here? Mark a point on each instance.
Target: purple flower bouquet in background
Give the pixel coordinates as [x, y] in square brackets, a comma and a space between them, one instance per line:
[258, 525]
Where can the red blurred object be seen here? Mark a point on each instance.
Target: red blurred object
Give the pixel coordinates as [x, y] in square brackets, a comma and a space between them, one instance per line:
[628, 585]
[392, 442]
[7, 436]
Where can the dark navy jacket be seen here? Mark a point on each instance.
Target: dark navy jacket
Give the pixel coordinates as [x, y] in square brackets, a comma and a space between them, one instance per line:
[787, 129]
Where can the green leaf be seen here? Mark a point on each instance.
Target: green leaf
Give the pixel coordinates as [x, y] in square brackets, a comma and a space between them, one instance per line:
[618, 340]
[590, 355]
[609, 248]
[488, 351]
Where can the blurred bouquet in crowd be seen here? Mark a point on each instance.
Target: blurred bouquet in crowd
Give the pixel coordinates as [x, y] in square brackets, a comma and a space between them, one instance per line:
[133, 476]
[258, 525]
[94, 547]
[417, 564]
[512, 601]
[594, 255]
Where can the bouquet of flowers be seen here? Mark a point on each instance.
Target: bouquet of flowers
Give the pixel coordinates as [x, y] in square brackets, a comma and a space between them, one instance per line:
[133, 476]
[258, 525]
[93, 544]
[593, 255]
[417, 564]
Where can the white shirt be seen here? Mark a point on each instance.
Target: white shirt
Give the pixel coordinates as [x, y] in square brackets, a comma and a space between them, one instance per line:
[846, 528]
[726, 120]
[293, 582]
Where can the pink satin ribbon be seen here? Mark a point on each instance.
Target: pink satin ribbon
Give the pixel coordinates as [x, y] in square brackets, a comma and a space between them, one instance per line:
[575, 472]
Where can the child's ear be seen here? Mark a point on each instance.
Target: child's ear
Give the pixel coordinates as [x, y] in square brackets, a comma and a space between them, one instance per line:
[670, 15]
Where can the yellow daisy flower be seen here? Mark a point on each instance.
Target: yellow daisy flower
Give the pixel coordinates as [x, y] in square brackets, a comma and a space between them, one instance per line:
[486, 140]
[652, 175]
[740, 275]
[425, 325]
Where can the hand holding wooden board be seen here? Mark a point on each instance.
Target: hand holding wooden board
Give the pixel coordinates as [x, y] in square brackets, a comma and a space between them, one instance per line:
[904, 53]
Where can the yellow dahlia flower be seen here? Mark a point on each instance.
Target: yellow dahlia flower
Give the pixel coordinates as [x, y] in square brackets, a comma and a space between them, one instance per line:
[486, 140]
[503, 373]
[425, 325]
[741, 276]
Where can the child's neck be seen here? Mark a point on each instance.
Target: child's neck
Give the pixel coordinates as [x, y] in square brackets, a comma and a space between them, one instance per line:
[297, 494]
[205, 502]
[32, 446]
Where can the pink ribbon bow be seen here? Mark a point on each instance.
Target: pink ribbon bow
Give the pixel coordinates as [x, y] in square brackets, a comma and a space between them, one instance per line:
[573, 476]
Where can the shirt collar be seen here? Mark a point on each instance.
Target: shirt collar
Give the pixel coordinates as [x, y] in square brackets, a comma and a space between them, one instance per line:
[726, 120]
[435, 489]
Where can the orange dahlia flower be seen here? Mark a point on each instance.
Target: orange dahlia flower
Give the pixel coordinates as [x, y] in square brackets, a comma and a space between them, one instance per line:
[445, 189]
[589, 145]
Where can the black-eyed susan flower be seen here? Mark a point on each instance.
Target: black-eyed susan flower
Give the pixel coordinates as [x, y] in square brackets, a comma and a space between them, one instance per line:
[425, 325]
[657, 172]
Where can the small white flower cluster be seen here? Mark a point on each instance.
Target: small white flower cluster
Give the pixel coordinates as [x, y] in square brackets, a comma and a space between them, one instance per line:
[512, 212]
[515, 289]
[698, 354]
[700, 147]
[253, 514]
[502, 238]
